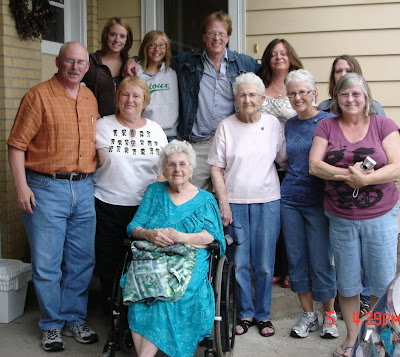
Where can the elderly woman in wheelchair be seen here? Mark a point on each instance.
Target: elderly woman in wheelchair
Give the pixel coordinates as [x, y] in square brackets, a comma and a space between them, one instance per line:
[175, 221]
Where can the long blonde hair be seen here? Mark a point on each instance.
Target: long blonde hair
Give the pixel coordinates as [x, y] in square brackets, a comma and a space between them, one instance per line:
[147, 41]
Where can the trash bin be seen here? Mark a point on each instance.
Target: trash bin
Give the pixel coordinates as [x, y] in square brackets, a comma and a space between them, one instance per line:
[14, 278]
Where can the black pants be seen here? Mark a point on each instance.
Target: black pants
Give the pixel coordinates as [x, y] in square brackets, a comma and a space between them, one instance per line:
[110, 234]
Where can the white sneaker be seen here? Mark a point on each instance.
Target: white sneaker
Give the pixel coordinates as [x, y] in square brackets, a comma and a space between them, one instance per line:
[52, 340]
[329, 326]
[82, 333]
[308, 322]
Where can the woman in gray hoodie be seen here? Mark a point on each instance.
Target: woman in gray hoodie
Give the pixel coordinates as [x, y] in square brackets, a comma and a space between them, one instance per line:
[154, 67]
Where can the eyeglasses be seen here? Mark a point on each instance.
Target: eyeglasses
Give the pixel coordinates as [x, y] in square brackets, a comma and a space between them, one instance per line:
[302, 93]
[212, 34]
[161, 47]
[355, 95]
[250, 95]
[174, 165]
[70, 62]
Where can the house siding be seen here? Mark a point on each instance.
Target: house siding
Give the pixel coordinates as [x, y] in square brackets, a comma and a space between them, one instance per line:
[321, 30]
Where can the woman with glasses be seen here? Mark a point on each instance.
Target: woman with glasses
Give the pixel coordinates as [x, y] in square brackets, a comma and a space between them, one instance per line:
[155, 68]
[361, 200]
[341, 66]
[245, 149]
[304, 225]
[173, 215]
[105, 71]
[128, 146]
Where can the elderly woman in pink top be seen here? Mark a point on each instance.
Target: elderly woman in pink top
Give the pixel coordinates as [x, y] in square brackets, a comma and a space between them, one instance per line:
[243, 155]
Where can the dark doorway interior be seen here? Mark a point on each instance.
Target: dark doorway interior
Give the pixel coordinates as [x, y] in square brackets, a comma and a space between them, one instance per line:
[182, 20]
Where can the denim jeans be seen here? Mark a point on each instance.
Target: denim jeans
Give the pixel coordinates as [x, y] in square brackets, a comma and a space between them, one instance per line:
[255, 230]
[369, 245]
[61, 234]
[306, 231]
[365, 296]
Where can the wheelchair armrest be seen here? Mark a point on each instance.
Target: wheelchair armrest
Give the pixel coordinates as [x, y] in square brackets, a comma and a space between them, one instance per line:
[127, 243]
[213, 246]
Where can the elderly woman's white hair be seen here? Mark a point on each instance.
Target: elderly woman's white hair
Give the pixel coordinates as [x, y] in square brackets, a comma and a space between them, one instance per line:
[248, 78]
[300, 76]
[176, 146]
[347, 81]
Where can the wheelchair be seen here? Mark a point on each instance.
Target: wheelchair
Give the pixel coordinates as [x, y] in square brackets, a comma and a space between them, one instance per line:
[221, 275]
[380, 331]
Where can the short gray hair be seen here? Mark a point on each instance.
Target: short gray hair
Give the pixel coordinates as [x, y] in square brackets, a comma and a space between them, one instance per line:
[176, 146]
[248, 78]
[65, 45]
[347, 81]
[300, 76]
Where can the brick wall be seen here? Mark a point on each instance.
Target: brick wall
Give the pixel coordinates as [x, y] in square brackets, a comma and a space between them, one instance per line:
[20, 69]
[92, 26]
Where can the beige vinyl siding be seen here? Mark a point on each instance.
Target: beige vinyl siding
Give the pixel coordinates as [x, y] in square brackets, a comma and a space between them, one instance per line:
[320, 30]
[129, 10]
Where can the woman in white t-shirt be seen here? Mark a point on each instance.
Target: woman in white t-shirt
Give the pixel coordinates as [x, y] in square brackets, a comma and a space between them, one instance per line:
[243, 155]
[128, 147]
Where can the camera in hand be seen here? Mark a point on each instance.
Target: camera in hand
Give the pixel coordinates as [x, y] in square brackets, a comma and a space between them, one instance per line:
[368, 163]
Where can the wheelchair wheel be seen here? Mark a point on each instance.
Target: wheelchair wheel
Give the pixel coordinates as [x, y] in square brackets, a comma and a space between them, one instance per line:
[122, 326]
[124, 336]
[108, 352]
[225, 307]
[120, 336]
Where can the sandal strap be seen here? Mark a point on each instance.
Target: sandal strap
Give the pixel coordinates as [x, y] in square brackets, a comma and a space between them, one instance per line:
[263, 324]
[245, 324]
[346, 348]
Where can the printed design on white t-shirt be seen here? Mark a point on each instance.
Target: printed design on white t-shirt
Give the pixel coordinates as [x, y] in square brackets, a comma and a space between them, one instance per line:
[134, 142]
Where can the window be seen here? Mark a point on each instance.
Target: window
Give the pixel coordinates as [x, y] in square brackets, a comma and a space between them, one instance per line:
[55, 29]
[69, 25]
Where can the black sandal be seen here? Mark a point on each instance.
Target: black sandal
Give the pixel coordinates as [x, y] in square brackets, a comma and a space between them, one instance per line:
[244, 324]
[262, 325]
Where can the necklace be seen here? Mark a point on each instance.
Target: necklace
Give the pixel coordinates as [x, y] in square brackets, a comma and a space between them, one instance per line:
[278, 93]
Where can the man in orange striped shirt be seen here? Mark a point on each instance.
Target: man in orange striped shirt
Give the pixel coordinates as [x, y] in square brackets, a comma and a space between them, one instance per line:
[52, 156]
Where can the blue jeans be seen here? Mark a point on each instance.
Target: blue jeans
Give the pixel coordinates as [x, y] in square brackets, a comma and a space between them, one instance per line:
[306, 231]
[255, 230]
[369, 245]
[61, 234]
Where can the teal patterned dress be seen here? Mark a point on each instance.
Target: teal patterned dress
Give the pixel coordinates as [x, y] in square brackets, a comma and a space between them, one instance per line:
[177, 327]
